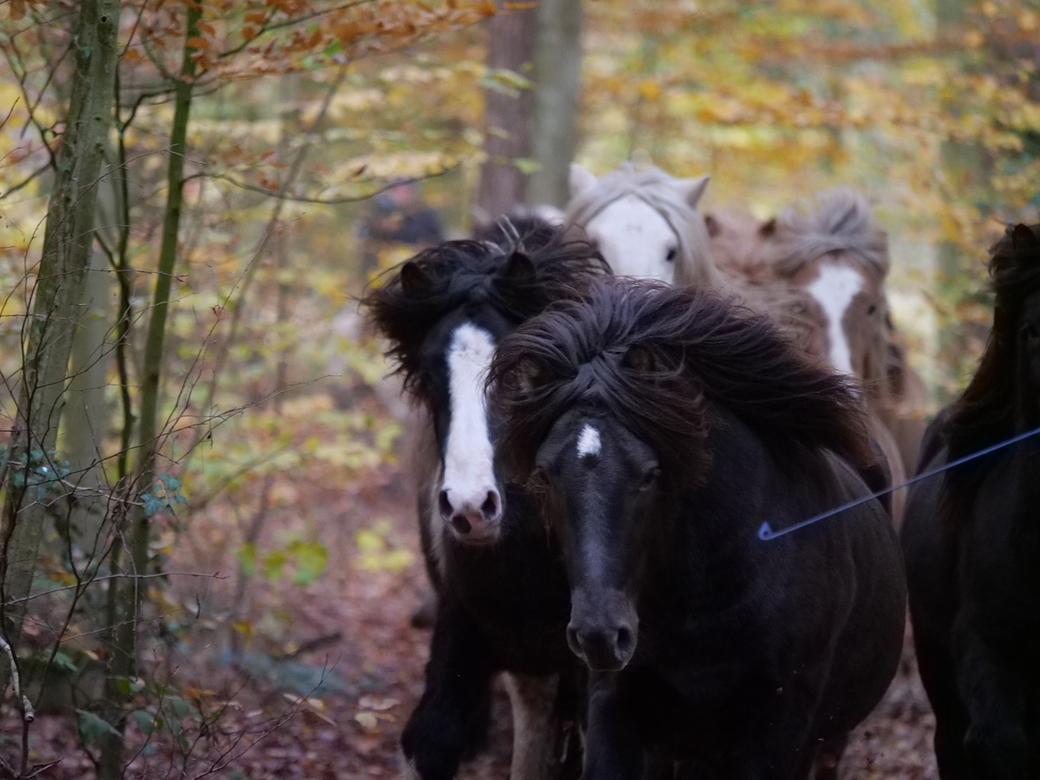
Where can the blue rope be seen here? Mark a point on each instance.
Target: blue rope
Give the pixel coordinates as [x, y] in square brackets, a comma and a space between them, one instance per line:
[766, 532]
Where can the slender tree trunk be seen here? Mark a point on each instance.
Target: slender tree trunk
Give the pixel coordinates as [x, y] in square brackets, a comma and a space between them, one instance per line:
[129, 594]
[56, 306]
[86, 417]
[557, 89]
[508, 111]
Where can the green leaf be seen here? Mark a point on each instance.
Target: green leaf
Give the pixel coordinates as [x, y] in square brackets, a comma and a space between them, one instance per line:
[311, 560]
[92, 728]
[274, 562]
[180, 707]
[171, 484]
[145, 721]
[527, 165]
[63, 662]
[247, 559]
[152, 503]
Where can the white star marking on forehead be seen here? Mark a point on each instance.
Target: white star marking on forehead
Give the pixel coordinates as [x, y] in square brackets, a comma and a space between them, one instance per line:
[588, 442]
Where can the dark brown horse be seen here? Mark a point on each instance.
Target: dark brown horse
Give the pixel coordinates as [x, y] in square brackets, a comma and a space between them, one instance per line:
[502, 596]
[661, 427]
[972, 544]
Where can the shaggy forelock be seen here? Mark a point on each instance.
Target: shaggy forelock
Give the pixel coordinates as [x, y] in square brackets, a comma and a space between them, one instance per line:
[839, 220]
[457, 273]
[657, 359]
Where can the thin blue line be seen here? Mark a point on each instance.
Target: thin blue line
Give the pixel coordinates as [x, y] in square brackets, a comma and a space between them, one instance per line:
[766, 533]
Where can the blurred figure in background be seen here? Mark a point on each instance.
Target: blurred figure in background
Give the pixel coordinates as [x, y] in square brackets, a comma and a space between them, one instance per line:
[398, 215]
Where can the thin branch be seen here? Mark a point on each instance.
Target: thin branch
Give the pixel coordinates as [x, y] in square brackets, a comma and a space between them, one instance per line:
[281, 195]
[125, 576]
[25, 182]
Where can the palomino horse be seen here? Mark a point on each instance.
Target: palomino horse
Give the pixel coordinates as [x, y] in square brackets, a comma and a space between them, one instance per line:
[502, 594]
[660, 427]
[645, 223]
[971, 545]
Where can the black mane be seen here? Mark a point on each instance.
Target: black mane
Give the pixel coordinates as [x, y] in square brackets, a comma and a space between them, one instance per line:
[522, 227]
[984, 412]
[657, 358]
[459, 273]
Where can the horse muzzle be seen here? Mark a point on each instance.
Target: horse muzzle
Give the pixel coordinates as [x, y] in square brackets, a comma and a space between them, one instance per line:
[472, 519]
[603, 635]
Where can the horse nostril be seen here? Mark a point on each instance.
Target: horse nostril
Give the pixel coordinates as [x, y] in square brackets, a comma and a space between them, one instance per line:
[461, 524]
[445, 505]
[624, 640]
[490, 505]
[572, 638]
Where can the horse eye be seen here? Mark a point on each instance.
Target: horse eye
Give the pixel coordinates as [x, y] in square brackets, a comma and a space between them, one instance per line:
[872, 309]
[671, 254]
[649, 478]
[1030, 330]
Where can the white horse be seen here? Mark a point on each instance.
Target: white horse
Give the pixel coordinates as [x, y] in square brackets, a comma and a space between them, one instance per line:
[645, 223]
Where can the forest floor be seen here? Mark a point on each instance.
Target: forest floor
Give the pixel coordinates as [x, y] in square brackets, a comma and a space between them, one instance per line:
[323, 676]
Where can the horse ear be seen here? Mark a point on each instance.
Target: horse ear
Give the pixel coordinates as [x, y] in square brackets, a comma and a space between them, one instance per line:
[768, 228]
[692, 190]
[581, 179]
[714, 228]
[414, 280]
[519, 268]
[1023, 237]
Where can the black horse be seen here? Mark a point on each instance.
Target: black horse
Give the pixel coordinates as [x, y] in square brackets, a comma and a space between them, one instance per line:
[502, 593]
[972, 544]
[662, 427]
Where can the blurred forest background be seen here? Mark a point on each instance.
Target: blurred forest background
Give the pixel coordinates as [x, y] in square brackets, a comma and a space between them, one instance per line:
[208, 555]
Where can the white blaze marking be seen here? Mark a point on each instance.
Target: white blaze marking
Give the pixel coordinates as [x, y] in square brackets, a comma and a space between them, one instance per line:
[634, 239]
[468, 459]
[834, 289]
[588, 442]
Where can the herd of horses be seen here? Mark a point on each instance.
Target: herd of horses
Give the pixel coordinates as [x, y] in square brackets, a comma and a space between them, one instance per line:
[613, 407]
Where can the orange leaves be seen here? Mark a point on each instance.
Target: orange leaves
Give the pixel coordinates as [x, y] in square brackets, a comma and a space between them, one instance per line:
[19, 8]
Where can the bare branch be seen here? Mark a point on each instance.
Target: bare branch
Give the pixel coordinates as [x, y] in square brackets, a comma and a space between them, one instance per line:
[282, 195]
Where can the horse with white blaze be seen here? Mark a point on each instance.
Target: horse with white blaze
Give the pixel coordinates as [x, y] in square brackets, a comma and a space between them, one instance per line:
[502, 597]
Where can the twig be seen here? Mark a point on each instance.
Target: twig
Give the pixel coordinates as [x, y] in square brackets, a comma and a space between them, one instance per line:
[127, 576]
[283, 195]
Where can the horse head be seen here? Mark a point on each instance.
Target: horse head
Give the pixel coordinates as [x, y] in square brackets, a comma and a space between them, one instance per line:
[608, 403]
[444, 312]
[645, 223]
[836, 254]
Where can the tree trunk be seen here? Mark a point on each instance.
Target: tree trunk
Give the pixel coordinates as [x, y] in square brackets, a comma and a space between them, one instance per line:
[508, 110]
[128, 595]
[56, 306]
[86, 420]
[557, 89]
